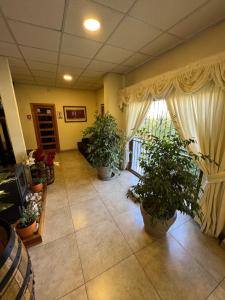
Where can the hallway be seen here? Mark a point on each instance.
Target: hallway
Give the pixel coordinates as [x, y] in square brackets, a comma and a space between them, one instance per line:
[95, 246]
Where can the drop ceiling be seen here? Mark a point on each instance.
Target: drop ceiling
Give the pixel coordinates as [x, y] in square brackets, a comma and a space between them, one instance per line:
[44, 39]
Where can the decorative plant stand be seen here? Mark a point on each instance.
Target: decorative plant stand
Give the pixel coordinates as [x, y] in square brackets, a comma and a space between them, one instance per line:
[36, 238]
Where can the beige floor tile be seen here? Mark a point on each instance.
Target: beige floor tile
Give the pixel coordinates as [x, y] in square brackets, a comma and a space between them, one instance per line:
[55, 201]
[125, 281]
[203, 248]
[101, 247]
[106, 186]
[58, 223]
[89, 213]
[117, 202]
[132, 226]
[181, 219]
[78, 294]
[174, 273]
[56, 268]
[218, 294]
[81, 193]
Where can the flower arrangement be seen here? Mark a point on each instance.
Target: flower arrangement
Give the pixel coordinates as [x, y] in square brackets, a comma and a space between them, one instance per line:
[29, 215]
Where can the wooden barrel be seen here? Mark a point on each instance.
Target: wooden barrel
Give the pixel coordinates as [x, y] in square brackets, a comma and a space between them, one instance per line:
[16, 277]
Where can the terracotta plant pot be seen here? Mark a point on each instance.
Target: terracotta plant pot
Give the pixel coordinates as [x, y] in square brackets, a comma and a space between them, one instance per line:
[26, 231]
[156, 228]
[37, 187]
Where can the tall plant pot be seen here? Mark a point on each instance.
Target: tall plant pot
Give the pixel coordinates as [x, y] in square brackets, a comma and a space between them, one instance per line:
[157, 227]
[104, 173]
[50, 174]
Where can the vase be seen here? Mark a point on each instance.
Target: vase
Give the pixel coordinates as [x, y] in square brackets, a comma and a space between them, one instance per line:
[25, 232]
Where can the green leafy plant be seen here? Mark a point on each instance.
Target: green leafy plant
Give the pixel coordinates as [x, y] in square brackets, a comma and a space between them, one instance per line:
[38, 181]
[106, 142]
[29, 216]
[169, 182]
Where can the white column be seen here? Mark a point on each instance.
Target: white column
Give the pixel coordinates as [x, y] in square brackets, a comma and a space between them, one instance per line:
[11, 111]
[112, 83]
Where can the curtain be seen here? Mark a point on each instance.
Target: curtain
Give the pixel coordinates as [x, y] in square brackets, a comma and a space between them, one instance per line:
[135, 113]
[201, 115]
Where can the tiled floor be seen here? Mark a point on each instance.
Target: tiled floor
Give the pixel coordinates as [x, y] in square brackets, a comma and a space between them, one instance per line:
[95, 246]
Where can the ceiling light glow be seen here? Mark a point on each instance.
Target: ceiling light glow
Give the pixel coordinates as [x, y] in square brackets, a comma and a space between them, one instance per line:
[92, 24]
[67, 77]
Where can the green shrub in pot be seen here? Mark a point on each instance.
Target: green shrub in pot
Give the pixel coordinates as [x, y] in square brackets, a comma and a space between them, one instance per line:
[106, 141]
[169, 183]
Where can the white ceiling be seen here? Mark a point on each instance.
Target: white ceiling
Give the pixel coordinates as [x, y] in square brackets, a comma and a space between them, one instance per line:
[45, 39]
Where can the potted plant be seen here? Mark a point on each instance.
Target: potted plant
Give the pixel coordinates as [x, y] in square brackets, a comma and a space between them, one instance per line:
[38, 184]
[104, 150]
[169, 182]
[27, 223]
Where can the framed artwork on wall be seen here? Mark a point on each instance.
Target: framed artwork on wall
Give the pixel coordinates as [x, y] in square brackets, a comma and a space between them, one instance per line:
[75, 113]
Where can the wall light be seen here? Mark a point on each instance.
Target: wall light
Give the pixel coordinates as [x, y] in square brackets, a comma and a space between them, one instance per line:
[67, 77]
[92, 24]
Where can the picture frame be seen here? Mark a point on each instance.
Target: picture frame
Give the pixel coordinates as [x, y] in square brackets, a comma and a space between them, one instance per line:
[75, 114]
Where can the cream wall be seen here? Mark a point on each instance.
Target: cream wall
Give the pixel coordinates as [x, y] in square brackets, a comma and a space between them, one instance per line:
[9, 103]
[69, 133]
[207, 43]
[99, 99]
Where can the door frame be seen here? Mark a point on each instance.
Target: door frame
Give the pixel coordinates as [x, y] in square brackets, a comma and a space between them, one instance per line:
[32, 105]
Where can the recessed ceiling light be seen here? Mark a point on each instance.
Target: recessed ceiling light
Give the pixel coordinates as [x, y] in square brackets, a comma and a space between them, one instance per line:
[67, 77]
[92, 24]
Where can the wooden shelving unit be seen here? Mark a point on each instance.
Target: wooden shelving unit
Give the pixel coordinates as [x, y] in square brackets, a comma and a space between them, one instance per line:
[36, 238]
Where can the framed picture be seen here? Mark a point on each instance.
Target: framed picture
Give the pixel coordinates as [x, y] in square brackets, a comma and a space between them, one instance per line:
[75, 113]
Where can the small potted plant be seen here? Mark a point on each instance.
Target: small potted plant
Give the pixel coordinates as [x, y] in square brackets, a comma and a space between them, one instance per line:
[27, 223]
[38, 184]
[104, 150]
[169, 182]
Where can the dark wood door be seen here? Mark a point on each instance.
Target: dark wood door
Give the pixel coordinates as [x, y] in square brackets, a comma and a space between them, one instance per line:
[45, 125]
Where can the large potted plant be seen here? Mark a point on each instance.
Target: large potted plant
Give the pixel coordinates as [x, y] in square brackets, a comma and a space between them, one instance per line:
[104, 150]
[169, 182]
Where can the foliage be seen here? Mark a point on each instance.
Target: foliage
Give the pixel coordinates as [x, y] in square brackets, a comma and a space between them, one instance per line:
[159, 127]
[40, 156]
[168, 183]
[4, 178]
[29, 215]
[106, 142]
[39, 180]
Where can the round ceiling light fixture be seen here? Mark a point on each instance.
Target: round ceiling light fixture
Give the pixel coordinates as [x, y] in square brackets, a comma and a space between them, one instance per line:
[92, 24]
[67, 77]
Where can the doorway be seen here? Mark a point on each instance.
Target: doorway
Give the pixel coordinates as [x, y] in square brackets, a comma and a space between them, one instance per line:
[45, 125]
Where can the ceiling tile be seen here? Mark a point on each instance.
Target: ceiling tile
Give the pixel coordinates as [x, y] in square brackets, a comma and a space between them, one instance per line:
[122, 69]
[5, 34]
[137, 59]
[89, 80]
[113, 54]
[209, 14]
[45, 81]
[93, 74]
[36, 65]
[73, 61]
[7, 49]
[122, 6]
[163, 14]
[43, 74]
[30, 35]
[161, 44]
[48, 13]
[133, 34]
[22, 77]
[16, 62]
[39, 55]
[97, 65]
[20, 70]
[79, 46]
[69, 70]
[78, 11]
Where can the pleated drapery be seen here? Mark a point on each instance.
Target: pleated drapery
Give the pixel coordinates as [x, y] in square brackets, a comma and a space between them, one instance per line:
[195, 96]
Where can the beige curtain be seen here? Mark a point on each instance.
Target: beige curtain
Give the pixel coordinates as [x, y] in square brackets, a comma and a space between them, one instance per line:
[135, 113]
[201, 115]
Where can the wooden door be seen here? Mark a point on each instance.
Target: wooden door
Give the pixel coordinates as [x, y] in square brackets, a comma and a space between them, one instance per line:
[45, 125]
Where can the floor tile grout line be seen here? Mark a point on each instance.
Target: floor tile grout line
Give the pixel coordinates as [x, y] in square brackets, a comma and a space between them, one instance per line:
[194, 258]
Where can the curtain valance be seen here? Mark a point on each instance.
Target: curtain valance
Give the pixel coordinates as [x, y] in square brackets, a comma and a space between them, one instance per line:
[186, 80]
